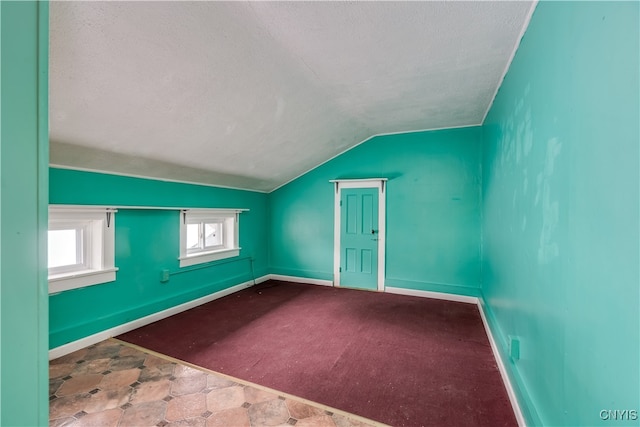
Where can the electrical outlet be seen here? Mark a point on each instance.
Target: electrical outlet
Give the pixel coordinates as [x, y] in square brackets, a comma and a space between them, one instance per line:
[164, 276]
[514, 348]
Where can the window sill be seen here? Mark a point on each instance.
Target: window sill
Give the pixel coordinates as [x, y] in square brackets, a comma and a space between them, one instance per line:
[80, 279]
[186, 261]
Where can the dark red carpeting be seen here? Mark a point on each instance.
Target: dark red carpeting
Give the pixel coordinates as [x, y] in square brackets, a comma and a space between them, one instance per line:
[400, 360]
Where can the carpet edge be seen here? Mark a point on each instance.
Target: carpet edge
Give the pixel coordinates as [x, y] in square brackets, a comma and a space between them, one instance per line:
[65, 349]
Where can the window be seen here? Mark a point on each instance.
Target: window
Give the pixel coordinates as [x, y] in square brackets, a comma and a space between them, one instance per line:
[67, 250]
[205, 236]
[208, 235]
[80, 247]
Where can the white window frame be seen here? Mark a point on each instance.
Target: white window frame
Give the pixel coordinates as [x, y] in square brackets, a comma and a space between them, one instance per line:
[83, 231]
[231, 231]
[222, 227]
[97, 242]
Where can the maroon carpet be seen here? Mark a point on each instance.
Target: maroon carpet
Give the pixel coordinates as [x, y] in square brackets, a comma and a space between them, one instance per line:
[400, 360]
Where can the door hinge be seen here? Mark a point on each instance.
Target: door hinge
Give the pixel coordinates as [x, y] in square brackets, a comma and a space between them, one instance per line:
[340, 202]
[339, 269]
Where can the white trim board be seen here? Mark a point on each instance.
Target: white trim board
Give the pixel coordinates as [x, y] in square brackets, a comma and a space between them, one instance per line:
[503, 369]
[347, 181]
[295, 279]
[433, 295]
[63, 208]
[134, 324]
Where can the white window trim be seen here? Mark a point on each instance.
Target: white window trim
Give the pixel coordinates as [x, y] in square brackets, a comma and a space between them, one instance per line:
[101, 269]
[82, 249]
[231, 234]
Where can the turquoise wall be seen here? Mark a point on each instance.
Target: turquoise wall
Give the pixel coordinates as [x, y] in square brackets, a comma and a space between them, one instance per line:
[560, 215]
[24, 154]
[147, 241]
[556, 162]
[433, 211]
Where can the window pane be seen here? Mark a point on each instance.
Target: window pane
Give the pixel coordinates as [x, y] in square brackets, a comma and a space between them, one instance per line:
[64, 247]
[193, 236]
[213, 235]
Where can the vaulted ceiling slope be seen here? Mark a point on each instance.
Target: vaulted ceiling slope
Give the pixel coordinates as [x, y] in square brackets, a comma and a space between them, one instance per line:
[253, 94]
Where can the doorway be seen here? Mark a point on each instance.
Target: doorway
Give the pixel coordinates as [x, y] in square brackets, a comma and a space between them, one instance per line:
[359, 233]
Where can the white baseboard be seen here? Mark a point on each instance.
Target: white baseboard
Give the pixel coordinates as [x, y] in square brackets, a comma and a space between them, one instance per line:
[431, 294]
[295, 279]
[263, 279]
[134, 324]
[503, 370]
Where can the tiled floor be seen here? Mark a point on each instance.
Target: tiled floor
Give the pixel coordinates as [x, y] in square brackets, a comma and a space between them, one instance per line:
[116, 384]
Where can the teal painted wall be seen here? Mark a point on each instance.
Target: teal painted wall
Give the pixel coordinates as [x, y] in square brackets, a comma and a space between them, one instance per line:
[560, 216]
[147, 241]
[433, 211]
[24, 34]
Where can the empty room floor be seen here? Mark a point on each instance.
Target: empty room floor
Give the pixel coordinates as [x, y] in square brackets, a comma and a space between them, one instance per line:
[400, 360]
[118, 384]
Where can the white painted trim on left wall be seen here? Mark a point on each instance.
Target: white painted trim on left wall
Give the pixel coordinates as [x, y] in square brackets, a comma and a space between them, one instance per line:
[134, 324]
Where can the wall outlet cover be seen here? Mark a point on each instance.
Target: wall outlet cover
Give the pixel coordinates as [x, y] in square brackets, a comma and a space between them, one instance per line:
[514, 347]
[164, 276]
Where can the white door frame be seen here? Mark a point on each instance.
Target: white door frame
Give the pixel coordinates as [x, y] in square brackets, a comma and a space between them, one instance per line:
[380, 184]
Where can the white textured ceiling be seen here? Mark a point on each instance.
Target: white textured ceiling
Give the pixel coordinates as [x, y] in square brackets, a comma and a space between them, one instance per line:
[252, 94]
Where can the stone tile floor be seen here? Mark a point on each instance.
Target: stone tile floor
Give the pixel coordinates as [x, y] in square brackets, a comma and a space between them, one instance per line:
[114, 383]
